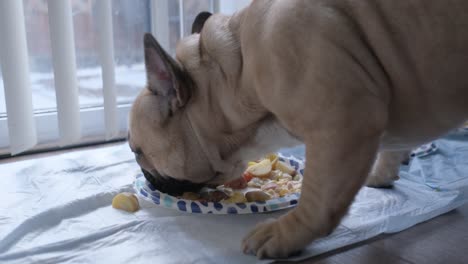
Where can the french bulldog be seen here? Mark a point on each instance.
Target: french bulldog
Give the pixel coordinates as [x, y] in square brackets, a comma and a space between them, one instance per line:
[358, 82]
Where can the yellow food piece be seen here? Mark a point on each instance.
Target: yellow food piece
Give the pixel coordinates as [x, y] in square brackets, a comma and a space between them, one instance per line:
[257, 196]
[256, 182]
[282, 181]
[236, 197]
[285, 168]
[273, 159]
[272, 178]
[298, 177]
[126, 201]
[190, 196]
[271, 156]
[275, 174]
[272, 193]
[286, 176]
[251, 163]
[261, 169]
[282, 192]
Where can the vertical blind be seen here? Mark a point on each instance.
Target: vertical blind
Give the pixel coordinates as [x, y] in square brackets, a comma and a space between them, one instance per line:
[106, 52]
[15, 70]
[16, 75]
[160, 21]
[64, 62]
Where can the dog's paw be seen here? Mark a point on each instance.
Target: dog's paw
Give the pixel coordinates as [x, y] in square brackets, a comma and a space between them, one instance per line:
[385, 170]
[381, 180]
[269, 240]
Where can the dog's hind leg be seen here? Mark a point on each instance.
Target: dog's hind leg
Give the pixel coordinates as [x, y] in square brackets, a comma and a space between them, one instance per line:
[385, 169]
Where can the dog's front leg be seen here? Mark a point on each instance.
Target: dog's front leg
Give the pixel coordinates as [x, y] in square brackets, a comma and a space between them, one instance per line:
[336, 167]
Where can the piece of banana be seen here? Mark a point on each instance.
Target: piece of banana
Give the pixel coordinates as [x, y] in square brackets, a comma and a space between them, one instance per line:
[126, 201]
[282, 166]
[261, 169]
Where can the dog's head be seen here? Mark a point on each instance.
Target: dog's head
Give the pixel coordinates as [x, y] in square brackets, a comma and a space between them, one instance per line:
[171, 119]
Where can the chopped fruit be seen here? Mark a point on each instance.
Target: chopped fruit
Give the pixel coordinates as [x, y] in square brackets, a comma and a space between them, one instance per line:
[213, 196]
[255, 182]
[268, 186]
[126, 201]
[280, 165]
[261, 169]
[265, 179]
[257, 196]
[271, 156]
[236, 197]
[247, 176]
[272, 193]
[236, 184]
[282, 192]
[190, 196]
[273, 159]
[286, 176]
[251, 163]
[276, 175]
[298, 177]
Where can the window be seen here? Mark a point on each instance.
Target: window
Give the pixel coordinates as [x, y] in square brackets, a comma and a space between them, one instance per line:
[130, 20]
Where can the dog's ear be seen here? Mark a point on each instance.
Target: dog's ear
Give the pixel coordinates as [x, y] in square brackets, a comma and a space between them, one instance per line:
[200, 21]
[165, 78]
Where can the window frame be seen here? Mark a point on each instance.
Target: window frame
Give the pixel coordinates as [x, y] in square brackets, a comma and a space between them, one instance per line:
[93, 129]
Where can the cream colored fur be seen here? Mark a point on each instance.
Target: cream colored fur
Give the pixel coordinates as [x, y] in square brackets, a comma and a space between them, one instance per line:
[347, 78]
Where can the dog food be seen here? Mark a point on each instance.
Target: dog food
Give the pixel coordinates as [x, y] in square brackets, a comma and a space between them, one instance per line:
[126, 201]
[263, 180]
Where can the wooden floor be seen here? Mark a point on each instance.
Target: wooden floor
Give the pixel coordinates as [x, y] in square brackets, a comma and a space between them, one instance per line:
[443, 240]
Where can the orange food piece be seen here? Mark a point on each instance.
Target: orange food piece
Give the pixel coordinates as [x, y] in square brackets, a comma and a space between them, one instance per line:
[247, 176]
[236, 184]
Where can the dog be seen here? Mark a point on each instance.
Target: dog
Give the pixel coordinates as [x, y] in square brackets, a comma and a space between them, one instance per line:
[360, 83]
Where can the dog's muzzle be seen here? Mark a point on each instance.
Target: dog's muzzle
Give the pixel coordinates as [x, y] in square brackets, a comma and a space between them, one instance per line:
[170, 185]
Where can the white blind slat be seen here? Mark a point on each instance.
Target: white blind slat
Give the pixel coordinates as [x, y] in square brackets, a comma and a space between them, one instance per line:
[229, 7]
[214, 6]
[181, 18]
[160, 22]
[106, 51]
[63, 58]
[15, 70]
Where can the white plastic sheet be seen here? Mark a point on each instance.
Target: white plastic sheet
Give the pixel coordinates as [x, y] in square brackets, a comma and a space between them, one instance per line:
[58, 210]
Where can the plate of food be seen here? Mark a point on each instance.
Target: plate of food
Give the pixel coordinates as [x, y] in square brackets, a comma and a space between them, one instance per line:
[269, 184]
